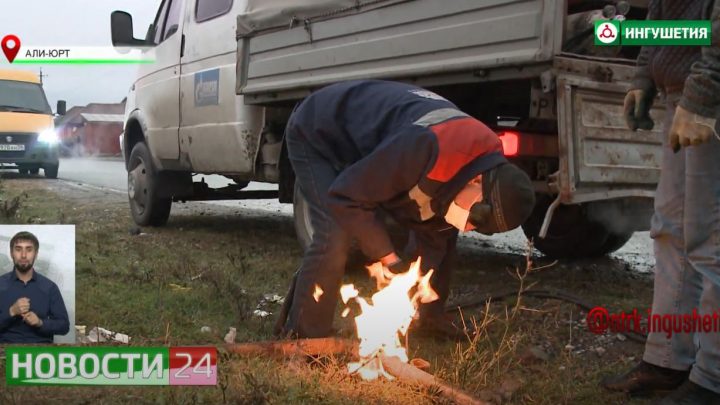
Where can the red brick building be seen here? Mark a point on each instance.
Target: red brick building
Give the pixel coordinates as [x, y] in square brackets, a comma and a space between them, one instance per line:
[92, 130]
[100, 133]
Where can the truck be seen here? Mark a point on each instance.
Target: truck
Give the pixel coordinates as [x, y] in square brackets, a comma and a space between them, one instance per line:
[28, 140]
[227, 75]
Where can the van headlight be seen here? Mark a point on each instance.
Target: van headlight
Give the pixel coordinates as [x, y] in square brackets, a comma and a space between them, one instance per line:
[49, 137]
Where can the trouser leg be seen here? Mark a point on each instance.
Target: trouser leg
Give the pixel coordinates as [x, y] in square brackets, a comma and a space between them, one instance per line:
[677, 287]
[323, 264]
[440, 280]
[438, 254]
[702, 244]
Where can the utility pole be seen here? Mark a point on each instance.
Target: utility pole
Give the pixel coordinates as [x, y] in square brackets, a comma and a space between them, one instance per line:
[41, 76]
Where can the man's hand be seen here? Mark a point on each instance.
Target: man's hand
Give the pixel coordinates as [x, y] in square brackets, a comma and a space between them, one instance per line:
[394, 263]
[637, 109]
[399, 267]
[31, 319]
[20, 307]
[689, 129]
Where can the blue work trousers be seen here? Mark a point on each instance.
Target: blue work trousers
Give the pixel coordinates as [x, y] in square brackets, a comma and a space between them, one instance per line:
[324, 261]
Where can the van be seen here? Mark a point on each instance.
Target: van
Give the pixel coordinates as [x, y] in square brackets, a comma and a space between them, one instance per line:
[27, 133]
[227, 74]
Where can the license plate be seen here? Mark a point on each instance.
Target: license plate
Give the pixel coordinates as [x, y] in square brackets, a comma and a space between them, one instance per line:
[12, 147]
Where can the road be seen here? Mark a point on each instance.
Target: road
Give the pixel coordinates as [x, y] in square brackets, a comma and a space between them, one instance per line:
[110, 174]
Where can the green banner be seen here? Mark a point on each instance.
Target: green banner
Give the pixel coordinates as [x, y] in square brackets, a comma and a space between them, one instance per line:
[653, 33]
[90, 365]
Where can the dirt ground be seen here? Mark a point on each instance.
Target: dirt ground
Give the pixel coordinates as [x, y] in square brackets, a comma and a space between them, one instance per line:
[215, 267]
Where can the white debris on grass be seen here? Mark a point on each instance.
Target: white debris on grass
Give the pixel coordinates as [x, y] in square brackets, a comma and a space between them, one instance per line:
[273, 298]
[261, 314]
[230, 336]
[98, 334]
[267, 299]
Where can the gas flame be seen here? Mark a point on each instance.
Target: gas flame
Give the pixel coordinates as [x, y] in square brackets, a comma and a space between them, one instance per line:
[387, 316]
[348, 291]
[318, 293]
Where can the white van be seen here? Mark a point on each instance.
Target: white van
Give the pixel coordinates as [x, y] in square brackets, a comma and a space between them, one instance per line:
[227, 74]
[182, 114]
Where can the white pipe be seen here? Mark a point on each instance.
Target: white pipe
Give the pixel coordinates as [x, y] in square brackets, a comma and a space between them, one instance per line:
[548, 217]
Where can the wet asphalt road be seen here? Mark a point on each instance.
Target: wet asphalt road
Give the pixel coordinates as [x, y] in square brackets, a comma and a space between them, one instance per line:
[110, 174]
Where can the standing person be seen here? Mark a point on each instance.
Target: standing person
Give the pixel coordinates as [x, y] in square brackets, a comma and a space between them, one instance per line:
[686, 224]
[31, 307]
[360, 147]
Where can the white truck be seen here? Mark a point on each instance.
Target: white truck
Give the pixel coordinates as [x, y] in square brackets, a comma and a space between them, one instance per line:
[228, 73]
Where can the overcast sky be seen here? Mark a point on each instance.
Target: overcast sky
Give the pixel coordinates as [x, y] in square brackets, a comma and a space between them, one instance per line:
[75, 23]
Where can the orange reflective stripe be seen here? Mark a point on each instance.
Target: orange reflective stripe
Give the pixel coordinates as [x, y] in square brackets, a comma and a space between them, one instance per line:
[459, 142]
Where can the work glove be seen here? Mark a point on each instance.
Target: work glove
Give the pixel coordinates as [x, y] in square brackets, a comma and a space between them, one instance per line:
[690, 129]
[637, 108]
[20, 307]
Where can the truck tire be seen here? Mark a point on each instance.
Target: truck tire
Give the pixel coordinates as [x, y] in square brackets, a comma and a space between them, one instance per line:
[615, 241]
[301, 216]
[51, 171]
[146, 208]
[572, 234]
[34, 170]
[23, 170]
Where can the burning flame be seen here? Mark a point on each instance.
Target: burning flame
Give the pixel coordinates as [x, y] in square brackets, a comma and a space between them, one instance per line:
[383, 321]
[348, 291]
[318, 293]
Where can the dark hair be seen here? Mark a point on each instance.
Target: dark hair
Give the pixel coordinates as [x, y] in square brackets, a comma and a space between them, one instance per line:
[24, 235]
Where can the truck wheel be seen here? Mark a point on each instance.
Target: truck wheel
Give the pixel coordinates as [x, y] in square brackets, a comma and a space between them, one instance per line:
[615, 241]
[35, 170]
[301, 215]
[23, 171]
[572, 234]
[146, 208]
[51, 171]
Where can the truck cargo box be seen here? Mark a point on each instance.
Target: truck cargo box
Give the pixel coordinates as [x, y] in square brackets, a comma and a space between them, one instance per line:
[285, 49]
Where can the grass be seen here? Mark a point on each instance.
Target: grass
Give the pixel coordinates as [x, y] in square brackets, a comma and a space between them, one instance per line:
[214, 269]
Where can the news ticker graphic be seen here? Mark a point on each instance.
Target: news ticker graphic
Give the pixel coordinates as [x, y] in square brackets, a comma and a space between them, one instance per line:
[100, 365]
[653, 33]
[17, 53]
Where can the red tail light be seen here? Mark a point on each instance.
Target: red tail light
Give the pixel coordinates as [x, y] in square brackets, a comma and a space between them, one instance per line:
[510, 143]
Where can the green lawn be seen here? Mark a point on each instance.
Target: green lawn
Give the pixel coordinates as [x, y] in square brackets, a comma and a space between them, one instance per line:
[163, 285]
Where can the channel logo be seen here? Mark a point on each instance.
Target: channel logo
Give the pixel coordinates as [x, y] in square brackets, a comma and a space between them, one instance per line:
[607, 32]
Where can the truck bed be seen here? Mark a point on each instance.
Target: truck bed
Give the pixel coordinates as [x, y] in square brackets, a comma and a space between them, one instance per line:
[395, 40]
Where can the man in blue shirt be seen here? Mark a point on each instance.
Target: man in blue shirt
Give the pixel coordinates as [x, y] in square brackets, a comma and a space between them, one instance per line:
[31, 307]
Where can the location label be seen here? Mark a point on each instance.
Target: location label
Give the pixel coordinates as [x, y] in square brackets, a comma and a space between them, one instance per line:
[11, 47]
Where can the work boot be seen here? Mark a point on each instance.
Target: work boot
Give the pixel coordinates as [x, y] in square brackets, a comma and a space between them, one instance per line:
[645, 378]
[444, 326]
[690, 394]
